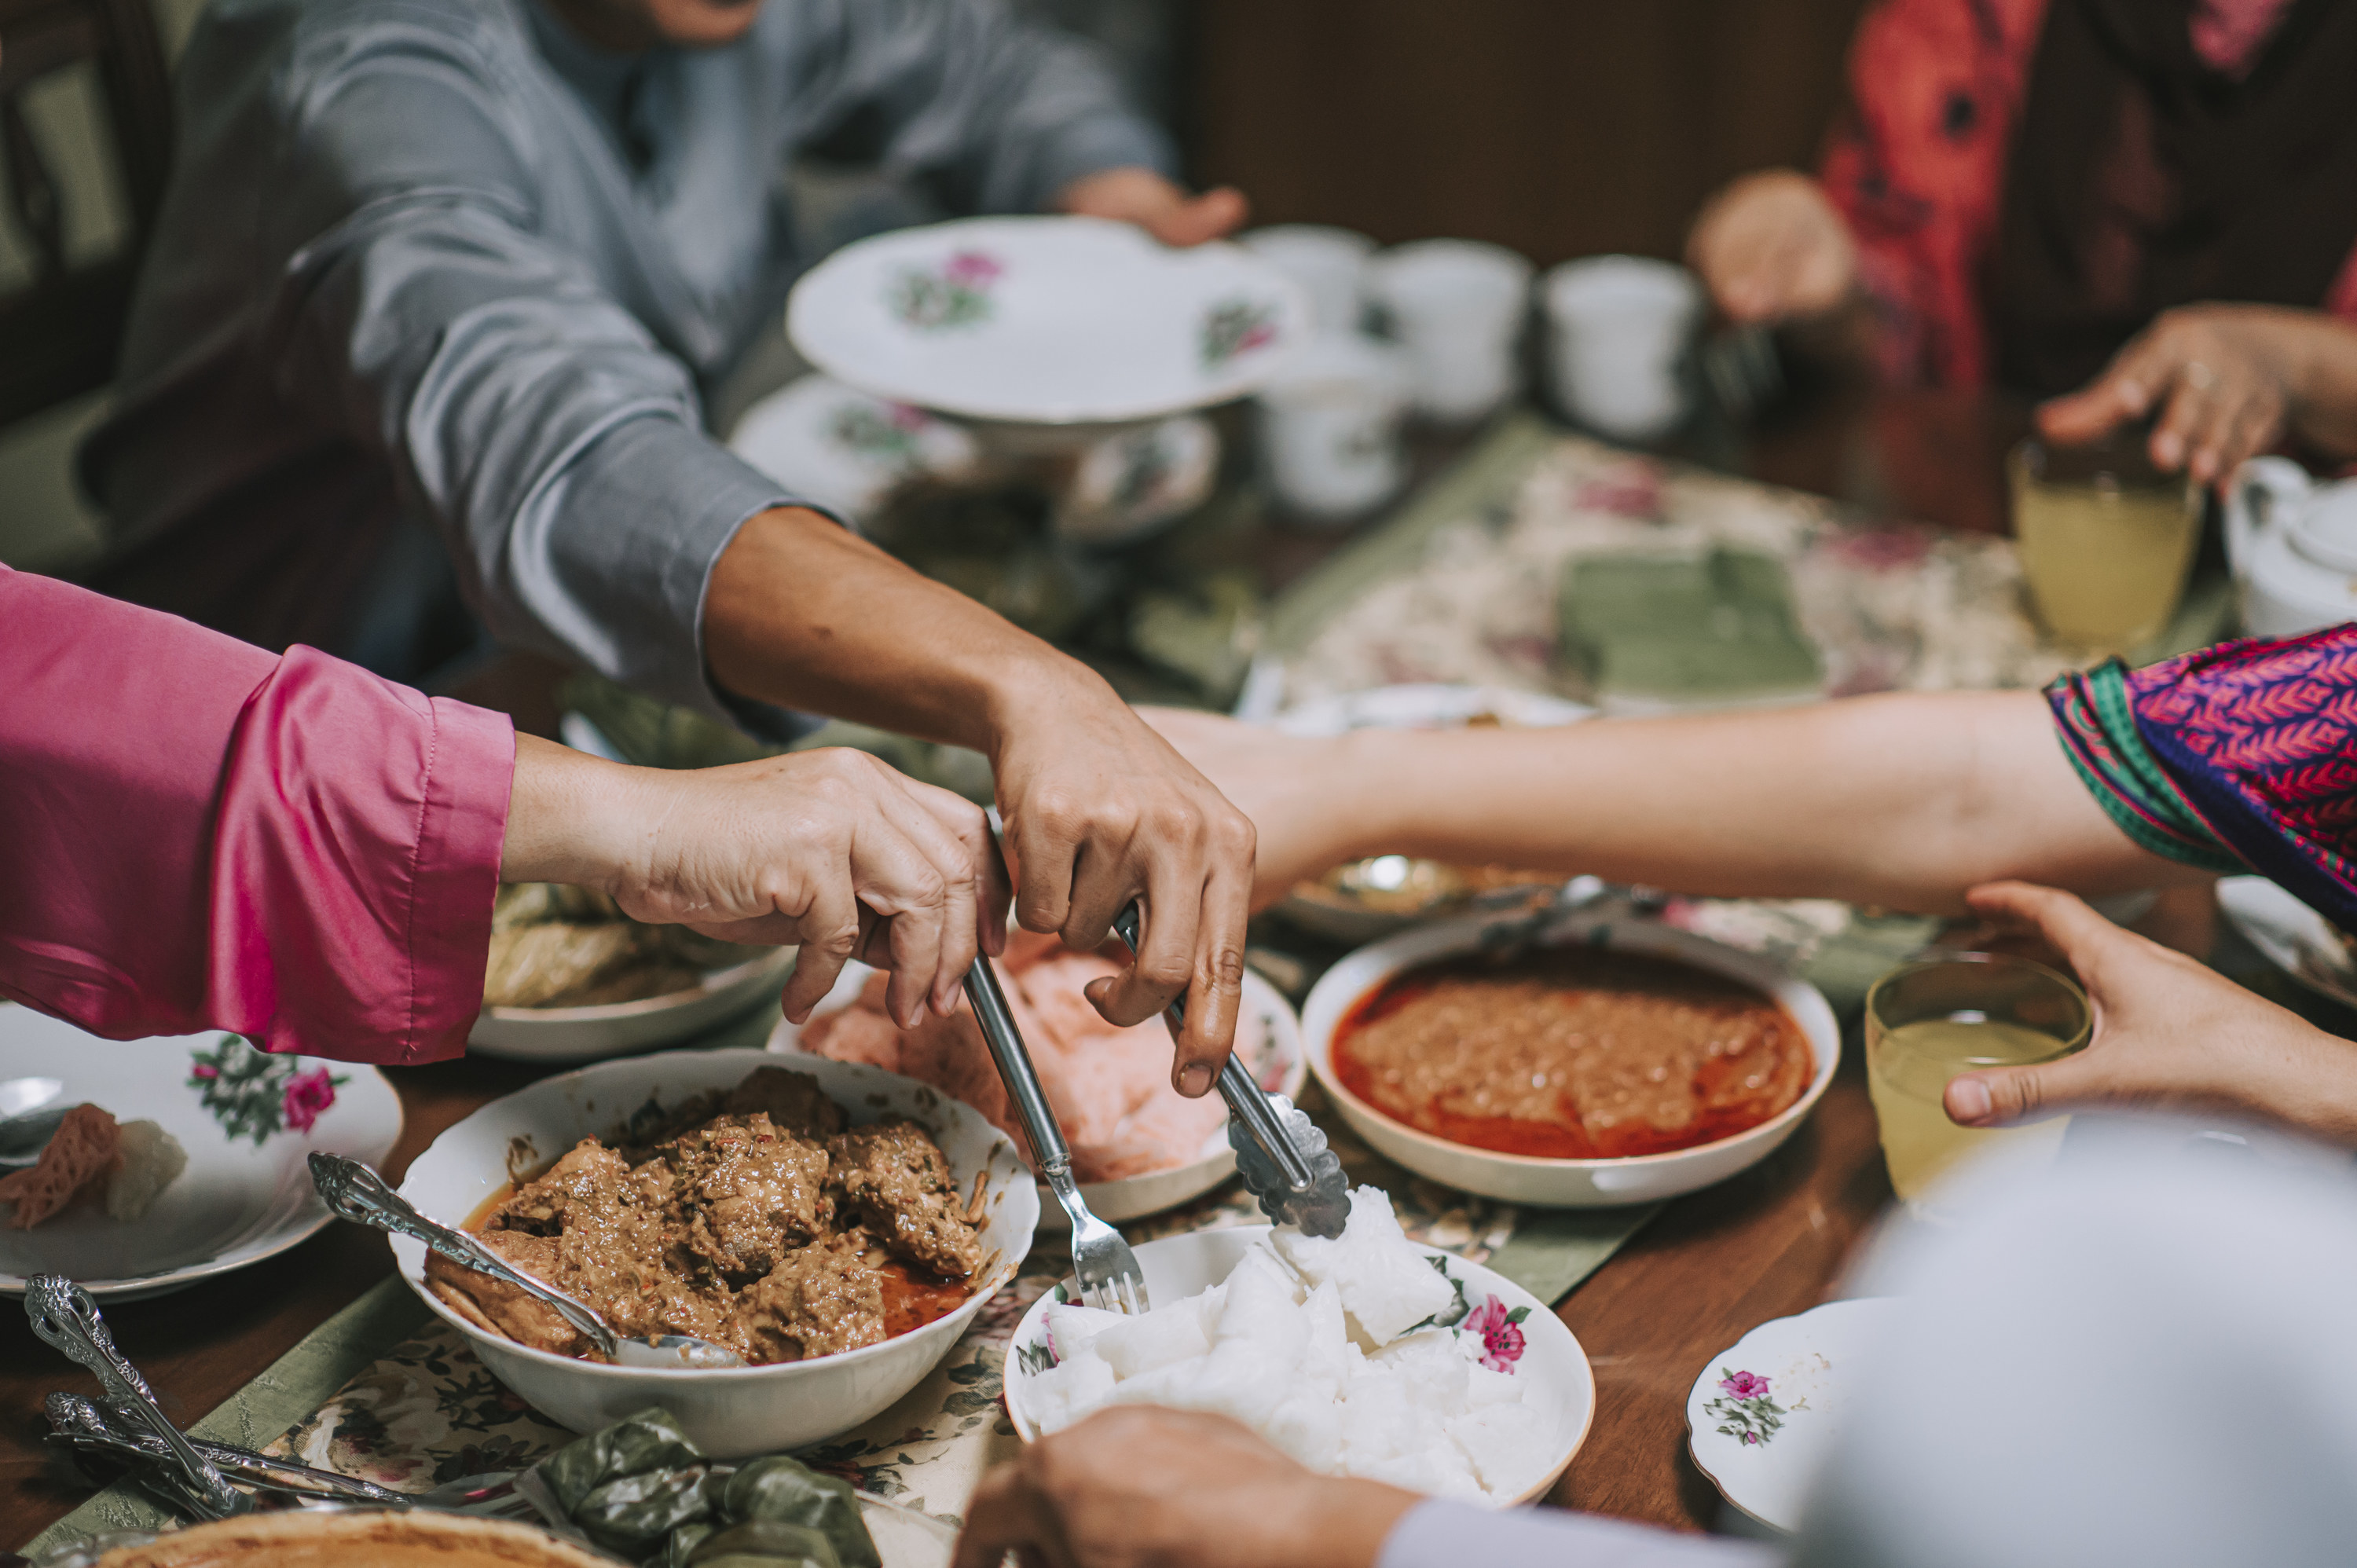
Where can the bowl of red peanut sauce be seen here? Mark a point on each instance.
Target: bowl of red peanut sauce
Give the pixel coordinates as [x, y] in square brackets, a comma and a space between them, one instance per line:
[1583, 1061]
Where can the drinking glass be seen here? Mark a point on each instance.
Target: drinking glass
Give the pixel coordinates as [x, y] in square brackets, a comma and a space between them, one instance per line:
[1927, 1022]
[2106, 539]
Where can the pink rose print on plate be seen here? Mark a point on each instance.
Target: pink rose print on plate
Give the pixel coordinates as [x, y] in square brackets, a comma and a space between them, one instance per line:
[1501, 1332]
[307, 1095]
[1743, 1410]
[957, 292]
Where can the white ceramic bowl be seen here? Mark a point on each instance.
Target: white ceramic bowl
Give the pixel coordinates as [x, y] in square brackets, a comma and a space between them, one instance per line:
[1563, 1183]
[1266, 1032]
[570, 1035]
[740, 1411]
[1177, 1267]
[1046, 321]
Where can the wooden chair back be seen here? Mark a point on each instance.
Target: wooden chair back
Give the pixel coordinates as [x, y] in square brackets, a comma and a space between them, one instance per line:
[62, 332]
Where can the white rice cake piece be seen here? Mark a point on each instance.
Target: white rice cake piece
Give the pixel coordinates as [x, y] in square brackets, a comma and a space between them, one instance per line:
[1073, 1329]
[1386, 1285]
[1152, 1340]
[1433, 1367]
[1073, 1389]
[1378, 1418]
[1263, 1306]
[149, 1160]
[1438, 1470]
[1307, 1425]
[1328, 1359]
[1484, 1387]
[1505, 1444]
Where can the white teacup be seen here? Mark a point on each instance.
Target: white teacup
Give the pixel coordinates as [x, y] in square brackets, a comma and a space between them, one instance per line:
[1325, 261]
[1617, 330]
[1457, 306]
[1329, 426]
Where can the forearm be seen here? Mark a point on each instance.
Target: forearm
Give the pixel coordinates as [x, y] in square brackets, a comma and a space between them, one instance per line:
[802, 613]
[1901, 800]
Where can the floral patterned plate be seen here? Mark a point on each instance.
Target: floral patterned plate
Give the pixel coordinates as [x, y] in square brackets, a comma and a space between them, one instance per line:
[1047, 321]
[1761, 1415]
[247, 1123]
[843, 449]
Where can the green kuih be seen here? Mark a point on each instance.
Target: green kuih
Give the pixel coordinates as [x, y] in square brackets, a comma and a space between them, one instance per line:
[778, 1490]
[641, 1489]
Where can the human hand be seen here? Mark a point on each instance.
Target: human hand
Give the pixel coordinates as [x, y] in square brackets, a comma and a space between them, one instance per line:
[831, 850]
[1138, 1487]
[1295, 789]
[1772, 247]
[2224, 378]
[1163, 209]
[1099, 810]
[2171, 1033]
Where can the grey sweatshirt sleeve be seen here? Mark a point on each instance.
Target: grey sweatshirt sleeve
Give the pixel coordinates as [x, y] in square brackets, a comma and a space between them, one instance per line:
[558, 448]
[993, 113]
[1446, 1535]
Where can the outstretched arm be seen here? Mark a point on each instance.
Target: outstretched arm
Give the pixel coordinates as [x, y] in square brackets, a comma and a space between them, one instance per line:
[1904, 800]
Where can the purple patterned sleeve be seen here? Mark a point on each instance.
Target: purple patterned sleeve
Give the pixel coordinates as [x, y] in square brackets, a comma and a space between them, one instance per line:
[2261, 738]
[1447, 1535]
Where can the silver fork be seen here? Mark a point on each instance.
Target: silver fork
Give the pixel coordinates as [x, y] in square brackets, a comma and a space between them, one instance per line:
[1103, 1263]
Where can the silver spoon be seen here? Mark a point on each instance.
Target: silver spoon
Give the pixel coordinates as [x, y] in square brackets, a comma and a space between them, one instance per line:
[27, 1119]
[64, 1315]
[354, 1192]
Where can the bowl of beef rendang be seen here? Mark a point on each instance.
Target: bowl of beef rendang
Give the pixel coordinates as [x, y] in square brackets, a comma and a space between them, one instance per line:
[837, 1225]
[1581, 1062]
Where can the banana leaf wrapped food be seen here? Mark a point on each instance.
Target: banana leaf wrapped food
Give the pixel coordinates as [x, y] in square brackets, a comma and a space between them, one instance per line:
[642, 1489]
[554, 946]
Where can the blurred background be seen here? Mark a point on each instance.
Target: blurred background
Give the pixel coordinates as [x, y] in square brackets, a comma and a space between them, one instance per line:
[1555, 127]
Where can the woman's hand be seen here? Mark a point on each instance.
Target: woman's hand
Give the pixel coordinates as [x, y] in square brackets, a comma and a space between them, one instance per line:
[1299, 792]
[831, 850]
[2221, 383]
[1136, 1487]
[2171, 1033]
[1772, 247]
[1165, 211]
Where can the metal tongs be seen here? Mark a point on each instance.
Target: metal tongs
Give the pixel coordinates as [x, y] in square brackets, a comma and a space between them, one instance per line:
[1103, 1263]
[1280, 1153]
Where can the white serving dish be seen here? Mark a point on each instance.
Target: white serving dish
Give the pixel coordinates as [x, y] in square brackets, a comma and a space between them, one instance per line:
[1177, 1267]
[575, 1035]
[737, 1412]
[1046, 321]
[1809, 1360]
[1273, 1051]
[1563, 1184]
[237, 1203]
[2293, 936]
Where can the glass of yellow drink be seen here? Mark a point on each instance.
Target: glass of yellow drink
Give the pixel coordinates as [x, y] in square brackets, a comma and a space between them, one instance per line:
[1927, 1022]
[2106, 540]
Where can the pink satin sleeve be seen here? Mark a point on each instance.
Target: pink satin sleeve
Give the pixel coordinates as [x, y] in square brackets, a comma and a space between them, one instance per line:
[197, 834]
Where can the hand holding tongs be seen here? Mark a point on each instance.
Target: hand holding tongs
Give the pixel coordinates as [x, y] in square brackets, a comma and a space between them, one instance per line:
[1280, 1153]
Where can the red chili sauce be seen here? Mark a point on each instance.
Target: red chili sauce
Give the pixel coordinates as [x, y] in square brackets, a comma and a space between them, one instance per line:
[1573, 1052]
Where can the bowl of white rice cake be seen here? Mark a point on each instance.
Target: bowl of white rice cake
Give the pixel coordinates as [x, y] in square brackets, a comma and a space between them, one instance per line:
[1367, 1354]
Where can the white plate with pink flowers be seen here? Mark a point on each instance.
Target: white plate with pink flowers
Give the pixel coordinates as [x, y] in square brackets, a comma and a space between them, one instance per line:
[1762, 1415]
[247, 1123]
[1047, 321]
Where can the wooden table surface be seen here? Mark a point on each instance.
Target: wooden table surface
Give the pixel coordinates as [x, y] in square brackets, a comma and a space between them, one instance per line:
[1710, 1267]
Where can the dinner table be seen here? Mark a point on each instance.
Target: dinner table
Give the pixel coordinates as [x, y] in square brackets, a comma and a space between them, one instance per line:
[1709, 1268]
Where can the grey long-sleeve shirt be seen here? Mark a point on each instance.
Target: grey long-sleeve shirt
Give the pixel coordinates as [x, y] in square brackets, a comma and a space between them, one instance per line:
[438, 262]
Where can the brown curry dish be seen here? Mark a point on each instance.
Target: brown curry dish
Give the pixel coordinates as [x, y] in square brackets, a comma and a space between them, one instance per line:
[1573, 1052]
[757, 1219]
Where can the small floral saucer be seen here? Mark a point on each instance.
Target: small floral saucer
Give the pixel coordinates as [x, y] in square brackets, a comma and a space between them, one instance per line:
[247, 1123]
[1762, 1415]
